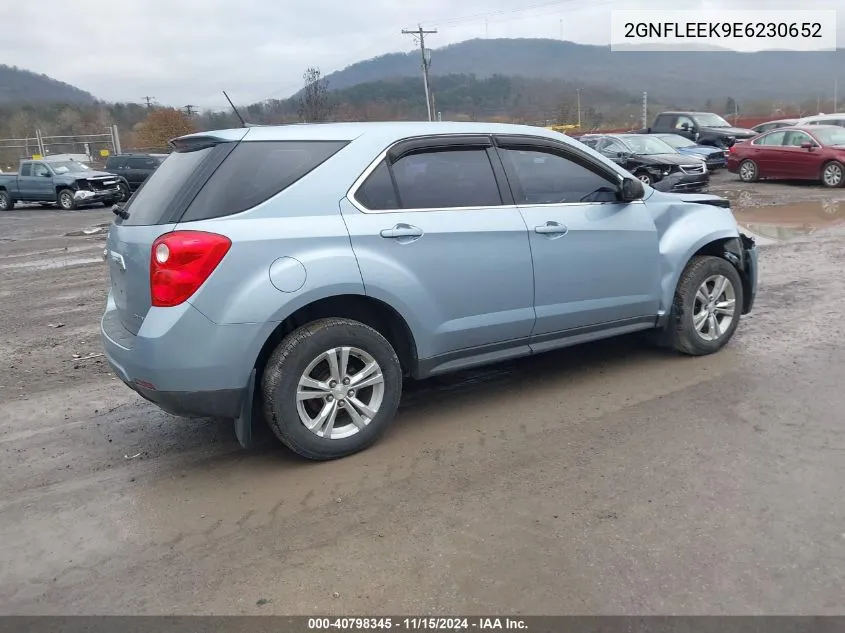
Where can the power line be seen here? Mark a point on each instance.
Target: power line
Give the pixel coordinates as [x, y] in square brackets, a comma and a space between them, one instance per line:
[426, 62]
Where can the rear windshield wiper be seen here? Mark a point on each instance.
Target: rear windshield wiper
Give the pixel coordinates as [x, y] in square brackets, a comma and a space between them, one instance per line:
[117, 209]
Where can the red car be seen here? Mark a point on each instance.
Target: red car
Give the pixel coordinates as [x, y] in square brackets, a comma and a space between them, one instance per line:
[796, 153]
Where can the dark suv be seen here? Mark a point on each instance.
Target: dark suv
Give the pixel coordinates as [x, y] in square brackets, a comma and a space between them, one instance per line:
[135, 168]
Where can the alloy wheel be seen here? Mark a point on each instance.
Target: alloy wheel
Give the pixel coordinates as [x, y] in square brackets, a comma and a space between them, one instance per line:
[832, 175]
[747, 171]
[715, 307]
[340, 392]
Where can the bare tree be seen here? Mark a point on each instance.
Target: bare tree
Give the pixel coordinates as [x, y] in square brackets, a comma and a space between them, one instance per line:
[314, 102]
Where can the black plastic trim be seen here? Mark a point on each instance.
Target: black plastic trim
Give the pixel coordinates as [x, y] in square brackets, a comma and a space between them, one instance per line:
[429, 143]
[221, 403]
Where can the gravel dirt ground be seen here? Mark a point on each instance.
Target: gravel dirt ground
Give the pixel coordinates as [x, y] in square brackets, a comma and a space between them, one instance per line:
[606, 479]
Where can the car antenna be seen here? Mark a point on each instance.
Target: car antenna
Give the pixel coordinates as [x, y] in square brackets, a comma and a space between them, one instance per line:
[238, 114]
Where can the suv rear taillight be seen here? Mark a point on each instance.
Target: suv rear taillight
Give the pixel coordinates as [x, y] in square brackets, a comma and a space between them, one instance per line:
[180, 262]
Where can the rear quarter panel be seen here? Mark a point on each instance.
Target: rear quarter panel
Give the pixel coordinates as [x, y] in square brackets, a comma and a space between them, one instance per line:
[302, 223]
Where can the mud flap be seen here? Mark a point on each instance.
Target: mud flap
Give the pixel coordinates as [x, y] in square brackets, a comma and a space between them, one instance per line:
[244, 423]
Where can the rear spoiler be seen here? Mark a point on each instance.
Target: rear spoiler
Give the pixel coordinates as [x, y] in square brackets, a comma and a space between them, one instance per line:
[194, 143]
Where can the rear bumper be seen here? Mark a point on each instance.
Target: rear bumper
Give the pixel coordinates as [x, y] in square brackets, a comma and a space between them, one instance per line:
[181, 361]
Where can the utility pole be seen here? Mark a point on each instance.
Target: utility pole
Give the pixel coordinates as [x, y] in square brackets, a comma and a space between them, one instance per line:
[149, 101]
[645, 109]
[578, 93]
[426, 62]
[190, 110]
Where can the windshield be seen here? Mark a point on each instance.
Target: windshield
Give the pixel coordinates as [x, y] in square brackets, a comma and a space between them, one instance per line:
[646, 145]
[676, 141]
[710, 120]
[831, 136]
[69, 167]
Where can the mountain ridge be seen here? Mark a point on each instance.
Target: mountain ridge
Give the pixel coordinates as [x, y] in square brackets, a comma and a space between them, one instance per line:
[18, 85]
[695, 75]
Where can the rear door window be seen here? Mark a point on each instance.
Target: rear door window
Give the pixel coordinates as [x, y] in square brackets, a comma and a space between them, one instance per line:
[141, 163]
[774, 138]
[254, 172]
[444, 179]
[26, 169]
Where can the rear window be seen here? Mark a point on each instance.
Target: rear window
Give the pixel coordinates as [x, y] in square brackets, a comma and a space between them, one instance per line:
[152, 202]
[254, 172]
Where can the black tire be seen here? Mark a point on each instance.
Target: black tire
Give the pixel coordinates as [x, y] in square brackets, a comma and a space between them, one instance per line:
[124, 192]
[681, 331]
[751, 173]
[6, 202]
[833, 174]
[65, 200]
[644, 177]
[292, 357]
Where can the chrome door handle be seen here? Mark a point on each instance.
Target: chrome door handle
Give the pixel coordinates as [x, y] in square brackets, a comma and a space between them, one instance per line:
[551, 228]
[402, 230]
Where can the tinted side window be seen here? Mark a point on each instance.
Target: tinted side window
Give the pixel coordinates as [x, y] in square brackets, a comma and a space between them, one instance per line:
[141, 163]
[256, 171]
[114, 162]
[775, 138]
[446, 179]
[149, 205]
[547, 178]
[679, 124]
[39, 169]
[794, 138]
[377, 191]
[26, 170]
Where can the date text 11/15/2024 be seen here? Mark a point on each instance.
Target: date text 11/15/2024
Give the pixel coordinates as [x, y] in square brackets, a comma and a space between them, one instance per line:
[417, 624]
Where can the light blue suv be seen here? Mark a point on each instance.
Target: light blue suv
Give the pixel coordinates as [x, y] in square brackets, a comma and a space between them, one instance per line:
[299, 273]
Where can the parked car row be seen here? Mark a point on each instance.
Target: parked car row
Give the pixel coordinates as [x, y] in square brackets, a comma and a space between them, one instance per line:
[809, 148]
[71, 183]
[654, 161]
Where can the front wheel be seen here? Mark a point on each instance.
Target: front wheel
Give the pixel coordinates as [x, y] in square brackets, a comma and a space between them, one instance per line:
[66, 200]
[645, 178]
[707, 306]
[6, 202]
[331, 388]
[833, 174]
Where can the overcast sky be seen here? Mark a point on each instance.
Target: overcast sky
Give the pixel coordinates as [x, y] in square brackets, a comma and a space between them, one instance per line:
[186, 51]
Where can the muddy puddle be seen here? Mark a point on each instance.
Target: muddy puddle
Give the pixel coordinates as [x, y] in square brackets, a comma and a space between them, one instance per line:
[783, 222]
[98, 230]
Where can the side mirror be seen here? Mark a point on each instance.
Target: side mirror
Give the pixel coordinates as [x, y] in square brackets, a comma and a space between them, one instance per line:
[685, 127]
[632, 189]
[808, 145]
[46, 174]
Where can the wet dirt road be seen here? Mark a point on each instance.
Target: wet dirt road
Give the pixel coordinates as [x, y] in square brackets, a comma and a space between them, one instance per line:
[610, 478]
